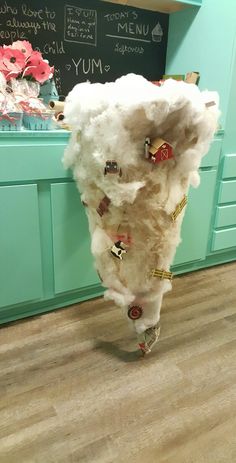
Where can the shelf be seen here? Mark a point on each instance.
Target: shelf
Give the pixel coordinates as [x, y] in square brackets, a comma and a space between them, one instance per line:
[24, 133]
[164, 6]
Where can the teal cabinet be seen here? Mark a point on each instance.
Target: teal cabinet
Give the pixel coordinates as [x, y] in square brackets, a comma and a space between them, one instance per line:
[223, 239]
[225, 216]
[45, 257]
[229, 170]
[227, 193]
[196, 224]
[20, 249]
[72, 259]
[211, 159]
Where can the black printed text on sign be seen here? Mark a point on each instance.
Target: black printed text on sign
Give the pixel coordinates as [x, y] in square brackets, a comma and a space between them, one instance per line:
[80, 25]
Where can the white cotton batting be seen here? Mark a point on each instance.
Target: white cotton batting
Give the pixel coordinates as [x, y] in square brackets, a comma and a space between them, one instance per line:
[110, 122]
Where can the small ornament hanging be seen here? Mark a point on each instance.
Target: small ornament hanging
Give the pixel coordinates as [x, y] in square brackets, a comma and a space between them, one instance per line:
[149, 338]
[135, 312]
[103, 206]
[111, 167]
[118, 249]
[158, 150]
[179, 208]
[162, 274]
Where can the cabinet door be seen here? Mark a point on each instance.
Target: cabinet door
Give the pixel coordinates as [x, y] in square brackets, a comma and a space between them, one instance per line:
[73, 262]
[20, 254]
[196, 223]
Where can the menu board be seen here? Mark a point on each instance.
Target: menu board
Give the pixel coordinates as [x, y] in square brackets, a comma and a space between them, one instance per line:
[88, 39]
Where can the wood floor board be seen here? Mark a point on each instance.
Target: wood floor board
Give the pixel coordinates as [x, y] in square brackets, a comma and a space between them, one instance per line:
[74, 388]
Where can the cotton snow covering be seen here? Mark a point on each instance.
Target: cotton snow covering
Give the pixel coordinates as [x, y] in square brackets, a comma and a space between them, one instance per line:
[110, 122]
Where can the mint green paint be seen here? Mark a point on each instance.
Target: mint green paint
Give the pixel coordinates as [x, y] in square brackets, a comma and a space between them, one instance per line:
[196, 225]
[211, 159]
[20, 257]
[190, 2]
[229, 170]
[203, 40]
[227, 192]
[229, 144]
[200, 215]
[32, 161]
[18, 311]
[27, 156]
[54, 135]
[45, 222]
[223, 239]
[58, 253]
[212, 259]
[73, 262]
[225, 216]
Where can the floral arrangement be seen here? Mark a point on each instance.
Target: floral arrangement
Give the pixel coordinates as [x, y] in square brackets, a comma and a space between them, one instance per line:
[19, 60]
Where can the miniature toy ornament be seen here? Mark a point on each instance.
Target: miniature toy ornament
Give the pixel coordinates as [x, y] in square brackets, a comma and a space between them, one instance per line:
[135, 312]
[157, 150]
[135, 148]
[118, 249]
[103, 206]
[112, 168]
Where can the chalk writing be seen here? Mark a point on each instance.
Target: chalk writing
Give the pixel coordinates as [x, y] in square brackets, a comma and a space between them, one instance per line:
[86, 66]
[133, 29]
[80, 25]
[53, 48]
[128, 38]
[7, 9]
[57, 79]
[38, 14]
[88, 40]
[130, 30]
[157, 33]
[32, 21]
[13, 35]
[126, 49]
[118, 16]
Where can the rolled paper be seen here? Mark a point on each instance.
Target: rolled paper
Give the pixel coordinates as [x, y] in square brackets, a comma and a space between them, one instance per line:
[60, 117]
[58, 106]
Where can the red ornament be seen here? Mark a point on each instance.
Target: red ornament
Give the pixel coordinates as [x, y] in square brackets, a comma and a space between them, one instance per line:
[135, 312]
[103, 206]
[159, 150]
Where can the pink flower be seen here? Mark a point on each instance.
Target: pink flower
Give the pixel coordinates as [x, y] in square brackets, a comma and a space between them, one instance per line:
[34, 59]
[12, 62]
[20, 60]
[23, 45]
[40, 72]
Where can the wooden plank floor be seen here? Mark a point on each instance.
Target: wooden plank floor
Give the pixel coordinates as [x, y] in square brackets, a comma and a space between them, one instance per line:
[74, 389]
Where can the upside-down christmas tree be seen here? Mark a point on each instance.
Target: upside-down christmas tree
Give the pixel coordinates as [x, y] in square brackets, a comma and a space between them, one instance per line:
[135, 149]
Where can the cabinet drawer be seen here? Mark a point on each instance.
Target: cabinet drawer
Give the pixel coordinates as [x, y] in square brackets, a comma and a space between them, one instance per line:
[28, 162]
[229, 170]
[20, 245]
[225, 216]
[223, 239]
[227, 192]
[72, 258]
[213, 155]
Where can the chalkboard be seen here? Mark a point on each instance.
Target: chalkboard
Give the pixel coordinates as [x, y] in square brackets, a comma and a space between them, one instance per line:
[88, 39]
